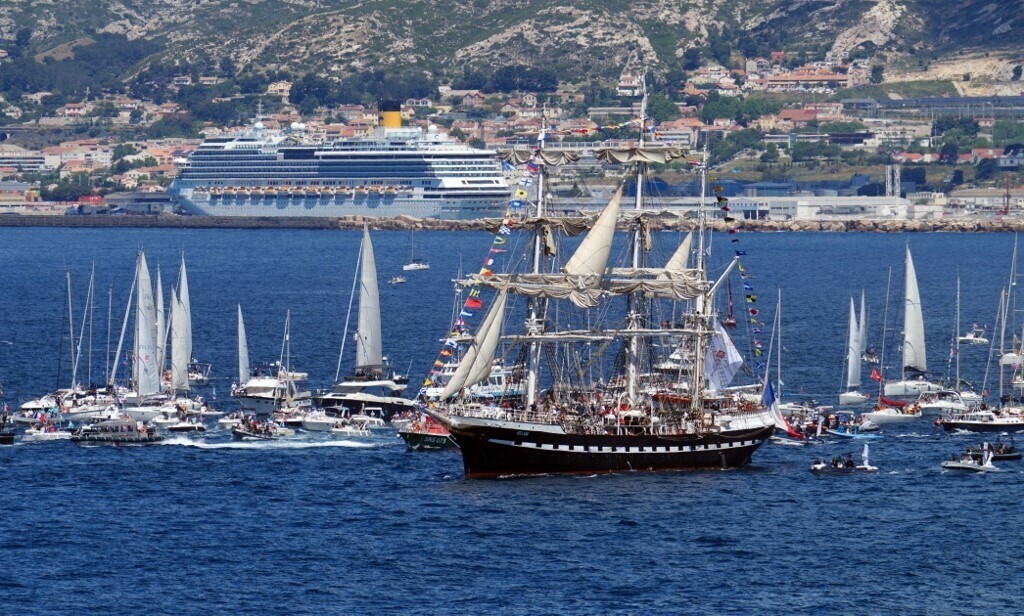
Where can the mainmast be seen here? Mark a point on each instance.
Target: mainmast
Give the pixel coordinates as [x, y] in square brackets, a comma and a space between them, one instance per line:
[534, 323]
[703, 301]
[634, 307]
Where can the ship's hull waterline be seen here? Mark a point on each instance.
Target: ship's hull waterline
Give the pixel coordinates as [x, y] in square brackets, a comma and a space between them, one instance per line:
[491, 451]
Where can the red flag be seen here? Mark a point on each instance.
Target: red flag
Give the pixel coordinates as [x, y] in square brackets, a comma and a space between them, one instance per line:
[474, 303]
[875, 375]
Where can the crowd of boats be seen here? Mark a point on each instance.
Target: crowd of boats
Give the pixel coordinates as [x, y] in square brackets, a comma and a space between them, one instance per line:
[549, 364]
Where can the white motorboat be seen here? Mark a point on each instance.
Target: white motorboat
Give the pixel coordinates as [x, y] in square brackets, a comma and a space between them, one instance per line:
[400, 423]
[884, 415]
[230, 421]
[974, 337]
[940, 403]
[46, 433]
[397, 280]
[1007, 420]
[853, 398]
[350, 430]
[187, 425]
[165, 420]
[970, 463]
[318, 421]
[370, 422]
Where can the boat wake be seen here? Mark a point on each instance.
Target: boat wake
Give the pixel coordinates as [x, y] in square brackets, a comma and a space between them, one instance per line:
[280, 444]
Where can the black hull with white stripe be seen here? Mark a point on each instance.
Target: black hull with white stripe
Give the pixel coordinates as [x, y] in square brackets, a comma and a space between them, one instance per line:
[502, 451]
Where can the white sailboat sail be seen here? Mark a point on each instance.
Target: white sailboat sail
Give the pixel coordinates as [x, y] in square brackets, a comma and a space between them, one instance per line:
[161, 324]
[489, 345]
[863, 327]
[914, 354]
[480, 352]
[243, 350]
[591, 257]
[853, 351]
[680, 259]
[722, 361]
[186, 310]
[179, 356]
[368, 336]
[147, 372]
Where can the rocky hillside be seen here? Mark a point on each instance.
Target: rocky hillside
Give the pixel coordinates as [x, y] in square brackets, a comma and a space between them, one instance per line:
[581, 38]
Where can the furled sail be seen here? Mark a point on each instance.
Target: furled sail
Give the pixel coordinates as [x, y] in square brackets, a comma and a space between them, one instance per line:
[548, 157]
[639, 154]
[914, 355]
[368, 337]
[147, 372]
[653, 282]
[591, 257]
[853, 351]
[243, 350]
[476, 362]
[179, 345]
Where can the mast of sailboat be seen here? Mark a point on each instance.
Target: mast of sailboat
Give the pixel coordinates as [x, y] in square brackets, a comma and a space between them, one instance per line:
[85, 319]
[703, 302]
[71, 330]
[778, 357]
[110, 318]
[885, 325]
[1004, 302]
[112, 379]
[348, 314]
[634, 308]
[956, 334]
[533, 323]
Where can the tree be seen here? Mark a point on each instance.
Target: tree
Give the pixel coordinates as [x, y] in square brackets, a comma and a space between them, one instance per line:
[124, 149]
[691, 59]
[1016, 73]
[877, 74]
[949, 153]
[986, 168]
[771, 154]
[958, 177]
[662, 109]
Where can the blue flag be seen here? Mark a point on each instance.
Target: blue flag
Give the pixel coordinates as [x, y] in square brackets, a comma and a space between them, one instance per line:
[741, 253]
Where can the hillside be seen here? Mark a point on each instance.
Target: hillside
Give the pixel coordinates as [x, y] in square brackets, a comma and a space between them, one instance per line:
[584, 38]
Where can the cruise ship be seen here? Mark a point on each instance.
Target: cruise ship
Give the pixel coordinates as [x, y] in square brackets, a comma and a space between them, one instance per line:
[398, 170]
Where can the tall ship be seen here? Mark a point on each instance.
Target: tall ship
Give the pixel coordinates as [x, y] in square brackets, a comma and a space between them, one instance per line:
[399, 170]
[585, 330]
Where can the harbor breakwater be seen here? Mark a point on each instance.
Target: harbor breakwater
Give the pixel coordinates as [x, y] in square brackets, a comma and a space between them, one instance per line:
[405, 223]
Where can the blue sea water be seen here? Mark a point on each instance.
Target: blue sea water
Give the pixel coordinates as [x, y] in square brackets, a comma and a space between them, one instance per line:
[201, 525]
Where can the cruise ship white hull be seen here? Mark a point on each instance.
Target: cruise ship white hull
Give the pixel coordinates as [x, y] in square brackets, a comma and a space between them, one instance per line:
[336, 206]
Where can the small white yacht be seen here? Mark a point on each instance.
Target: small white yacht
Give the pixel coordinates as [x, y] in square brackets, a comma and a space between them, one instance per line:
[940, 403]
[974, 337]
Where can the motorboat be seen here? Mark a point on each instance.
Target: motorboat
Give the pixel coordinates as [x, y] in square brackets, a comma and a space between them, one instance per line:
[840, 466]
[319, 421]
[398, 280]
[6, 433]
[852, 432]
[984, 421]
[120, 431]
[198, 373]
[369, 420]
[230, 421]
[350, 429]
[882, 415]
[853, 398]
[940, 403]
[187, 425]
[971, 463]
[974, 337]
[400, 423]
[428, 435]
[260, 430]
[47, 432]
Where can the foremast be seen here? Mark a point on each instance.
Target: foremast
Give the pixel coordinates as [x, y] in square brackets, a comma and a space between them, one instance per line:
[538, 305]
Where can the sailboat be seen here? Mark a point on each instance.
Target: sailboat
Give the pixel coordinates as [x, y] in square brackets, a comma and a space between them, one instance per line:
[913, 381]
[265, 389]
[854, 345]
[145, 404]
[373, 385]
[414, 264]
[581, 424]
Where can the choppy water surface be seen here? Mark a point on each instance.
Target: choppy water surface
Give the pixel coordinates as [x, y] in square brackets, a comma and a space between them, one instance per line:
[203, 524]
